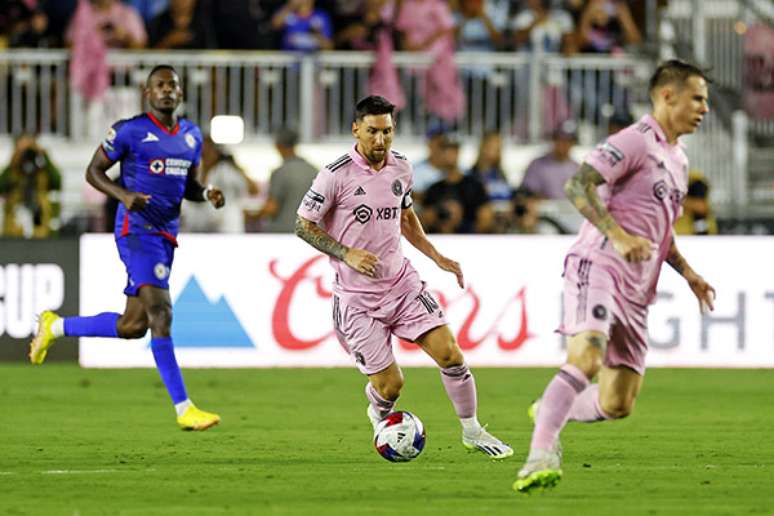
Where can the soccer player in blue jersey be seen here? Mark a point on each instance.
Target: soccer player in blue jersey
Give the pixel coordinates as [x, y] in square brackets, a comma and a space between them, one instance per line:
[159, 155]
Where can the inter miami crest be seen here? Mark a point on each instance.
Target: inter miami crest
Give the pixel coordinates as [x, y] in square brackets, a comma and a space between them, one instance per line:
[397, 188]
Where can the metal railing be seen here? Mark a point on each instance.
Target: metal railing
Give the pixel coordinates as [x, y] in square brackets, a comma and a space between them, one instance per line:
[522, 95]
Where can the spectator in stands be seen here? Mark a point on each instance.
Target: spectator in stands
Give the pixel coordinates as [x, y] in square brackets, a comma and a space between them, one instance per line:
[287, 186]
[527, 219]
[546, 175]
[219, 168]
[245, 24]
[304, 27]
[489, 170]
[697, 217]
[29, 183]
[428, 26]
[606, 26]
[24, 24]
[148, 9]
[182, 25]
[430, 169]
[538, 25]
[478, 29]
[619, 120]
[119, 25]
[458, 203]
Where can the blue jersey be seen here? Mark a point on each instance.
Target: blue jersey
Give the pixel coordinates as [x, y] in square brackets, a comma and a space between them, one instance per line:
[155, 161]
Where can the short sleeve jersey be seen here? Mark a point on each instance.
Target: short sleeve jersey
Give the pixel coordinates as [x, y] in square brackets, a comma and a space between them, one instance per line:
[646, 182]
[360, 207]
[154, 161]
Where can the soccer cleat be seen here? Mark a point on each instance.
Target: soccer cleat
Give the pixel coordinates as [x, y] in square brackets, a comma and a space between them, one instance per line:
[195, 419]
[373, 416]
[44, 338]
[542, 470]
[488, 444]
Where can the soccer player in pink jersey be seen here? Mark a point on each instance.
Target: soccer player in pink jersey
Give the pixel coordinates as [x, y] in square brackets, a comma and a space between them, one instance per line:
[630, 189]
[355, 212]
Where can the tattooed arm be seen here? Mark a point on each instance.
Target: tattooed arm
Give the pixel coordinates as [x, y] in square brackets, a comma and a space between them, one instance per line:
[581, 190]
[703, 291]
[359, 259]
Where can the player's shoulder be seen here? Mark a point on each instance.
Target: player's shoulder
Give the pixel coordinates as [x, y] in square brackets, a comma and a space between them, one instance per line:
[187, 125]
[398, 155]
[129, 123]
[339, 163]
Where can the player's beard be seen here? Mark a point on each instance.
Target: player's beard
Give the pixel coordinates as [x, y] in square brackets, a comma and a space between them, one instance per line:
[376, 156]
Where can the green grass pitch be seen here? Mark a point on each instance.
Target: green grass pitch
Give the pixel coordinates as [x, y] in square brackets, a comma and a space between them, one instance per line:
[82, 442]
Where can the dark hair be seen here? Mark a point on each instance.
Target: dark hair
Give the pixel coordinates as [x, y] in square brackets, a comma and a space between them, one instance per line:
[373, 105]
[286, 137]
[675, 71]
[158, 68]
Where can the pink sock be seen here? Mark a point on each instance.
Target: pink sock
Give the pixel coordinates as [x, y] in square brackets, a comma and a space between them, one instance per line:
[461, 388]
[555, 405]
[586, 408]
[381, 405]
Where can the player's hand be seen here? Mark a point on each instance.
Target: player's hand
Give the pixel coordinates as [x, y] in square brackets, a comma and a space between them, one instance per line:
[216, 197]
[633, 248]
[703, 291]
[453, 267]
[135, 201]
[362, 261]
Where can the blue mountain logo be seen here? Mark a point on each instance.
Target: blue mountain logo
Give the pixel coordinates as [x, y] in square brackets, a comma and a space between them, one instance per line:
[199, 323]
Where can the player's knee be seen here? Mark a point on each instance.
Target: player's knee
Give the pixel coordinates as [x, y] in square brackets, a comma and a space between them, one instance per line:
[586, 352]
[160, 317]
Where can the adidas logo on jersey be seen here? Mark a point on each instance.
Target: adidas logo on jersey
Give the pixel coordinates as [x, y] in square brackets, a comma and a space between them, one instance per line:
[360, 191]
[150, 137]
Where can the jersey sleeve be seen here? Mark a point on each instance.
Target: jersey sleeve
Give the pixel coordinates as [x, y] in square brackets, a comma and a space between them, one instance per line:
[620, 155]
[197, 134]
[320, 197]
[116, 143]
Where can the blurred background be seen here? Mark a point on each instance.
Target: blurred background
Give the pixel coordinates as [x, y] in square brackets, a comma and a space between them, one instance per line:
[498, 100]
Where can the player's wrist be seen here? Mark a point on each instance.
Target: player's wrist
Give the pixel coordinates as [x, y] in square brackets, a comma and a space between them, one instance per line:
[206, 192]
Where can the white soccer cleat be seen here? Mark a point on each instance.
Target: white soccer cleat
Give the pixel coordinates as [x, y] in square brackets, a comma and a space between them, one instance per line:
[543, 469]
[373, 416]
[487, 444]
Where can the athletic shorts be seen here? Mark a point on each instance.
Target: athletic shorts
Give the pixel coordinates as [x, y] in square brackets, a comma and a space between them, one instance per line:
[367, 335]
[148, 261]
[590, 303]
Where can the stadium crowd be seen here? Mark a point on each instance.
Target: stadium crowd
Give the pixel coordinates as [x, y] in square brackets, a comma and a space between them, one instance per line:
[567, 26]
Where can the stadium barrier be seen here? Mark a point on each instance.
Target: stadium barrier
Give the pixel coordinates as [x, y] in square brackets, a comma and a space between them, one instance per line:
[264, 301]
[36, 275]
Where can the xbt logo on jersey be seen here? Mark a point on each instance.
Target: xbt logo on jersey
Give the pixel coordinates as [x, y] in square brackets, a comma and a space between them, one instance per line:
[169, 166]
[363, 213]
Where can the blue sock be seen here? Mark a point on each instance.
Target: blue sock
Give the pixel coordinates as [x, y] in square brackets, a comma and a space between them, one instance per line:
[100, 325]
[164, 354]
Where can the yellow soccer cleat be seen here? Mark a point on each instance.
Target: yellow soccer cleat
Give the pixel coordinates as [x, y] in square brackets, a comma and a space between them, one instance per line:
[195, 419]
[44, 338]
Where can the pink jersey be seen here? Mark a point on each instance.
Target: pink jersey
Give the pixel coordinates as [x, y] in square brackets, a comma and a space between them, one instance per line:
[646, 182]
[360, 207]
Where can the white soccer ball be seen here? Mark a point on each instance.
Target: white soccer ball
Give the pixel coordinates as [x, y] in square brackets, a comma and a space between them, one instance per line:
[400, 437]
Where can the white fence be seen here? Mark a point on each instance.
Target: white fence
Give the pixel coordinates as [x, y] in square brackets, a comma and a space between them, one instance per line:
[264, 301]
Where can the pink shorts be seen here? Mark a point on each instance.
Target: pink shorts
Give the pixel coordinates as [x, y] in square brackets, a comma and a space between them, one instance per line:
[590, 303]
[367, 335]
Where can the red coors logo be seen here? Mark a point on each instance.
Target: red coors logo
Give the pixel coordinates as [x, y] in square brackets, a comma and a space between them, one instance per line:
[515, 307]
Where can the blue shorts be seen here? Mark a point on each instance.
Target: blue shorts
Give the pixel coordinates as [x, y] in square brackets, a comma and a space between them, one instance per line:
[148, 261]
